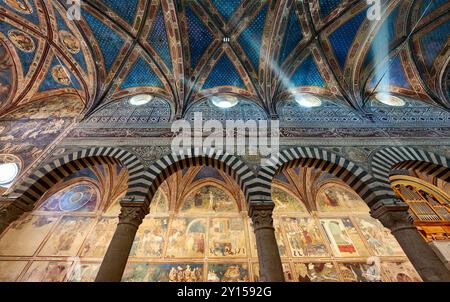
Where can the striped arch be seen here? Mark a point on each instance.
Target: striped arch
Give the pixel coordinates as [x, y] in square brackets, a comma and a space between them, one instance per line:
[356, 177]
[385, 160]
[34, 186]
[218, 159]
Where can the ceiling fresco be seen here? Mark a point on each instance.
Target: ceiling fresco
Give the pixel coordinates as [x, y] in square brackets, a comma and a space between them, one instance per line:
[265, 51]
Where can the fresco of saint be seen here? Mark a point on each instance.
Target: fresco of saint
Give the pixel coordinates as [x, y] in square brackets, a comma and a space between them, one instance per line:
[70, 42]
[304, 237]
[338, 198]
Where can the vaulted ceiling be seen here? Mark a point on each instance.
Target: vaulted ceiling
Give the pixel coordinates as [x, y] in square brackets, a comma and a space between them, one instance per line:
[183, 51]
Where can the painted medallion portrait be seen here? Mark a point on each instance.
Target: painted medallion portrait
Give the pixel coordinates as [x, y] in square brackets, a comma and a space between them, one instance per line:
[21, 40]
[6, 76]
[22, 6]
[60, 75]
[70, 42]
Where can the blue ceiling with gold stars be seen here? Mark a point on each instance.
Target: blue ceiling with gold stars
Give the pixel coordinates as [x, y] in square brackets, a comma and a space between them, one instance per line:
[265, 51]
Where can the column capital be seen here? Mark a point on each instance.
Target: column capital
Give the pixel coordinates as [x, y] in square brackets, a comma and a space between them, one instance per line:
[132, 214]
[394, 216]
[261, 215]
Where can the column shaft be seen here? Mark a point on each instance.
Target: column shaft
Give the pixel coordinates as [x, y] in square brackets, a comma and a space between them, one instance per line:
[116, 257]
[270, 267]
[423, 258]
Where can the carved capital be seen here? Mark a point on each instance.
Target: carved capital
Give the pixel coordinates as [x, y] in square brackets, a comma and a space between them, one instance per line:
[133, 214]
[261, 215]
[394, 216]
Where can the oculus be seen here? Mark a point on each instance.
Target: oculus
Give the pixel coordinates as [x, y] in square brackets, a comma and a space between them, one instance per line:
[21, 40]
[307, 100]
[389, 99]
[225, 102]
[8, 172]
[141, 99]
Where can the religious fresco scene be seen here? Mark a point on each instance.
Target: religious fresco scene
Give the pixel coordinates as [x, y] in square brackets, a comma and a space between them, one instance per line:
[198, 230]
[356, 96]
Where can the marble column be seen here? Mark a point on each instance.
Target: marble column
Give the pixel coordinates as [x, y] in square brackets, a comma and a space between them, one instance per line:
[11, 210]
[116, 257]
[396, 218]
[270, 267]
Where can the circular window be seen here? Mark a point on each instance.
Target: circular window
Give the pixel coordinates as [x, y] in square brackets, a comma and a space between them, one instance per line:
[225, 102]
[8, 172]
[308, 100]
[389, 99]
[141, 99]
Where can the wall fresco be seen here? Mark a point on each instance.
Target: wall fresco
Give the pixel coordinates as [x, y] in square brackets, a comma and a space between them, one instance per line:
[200, 235]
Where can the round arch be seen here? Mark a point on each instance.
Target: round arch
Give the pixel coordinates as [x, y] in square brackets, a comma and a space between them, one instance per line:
[34, 186]
[354, 176]
[157, 173]
[409, 158]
